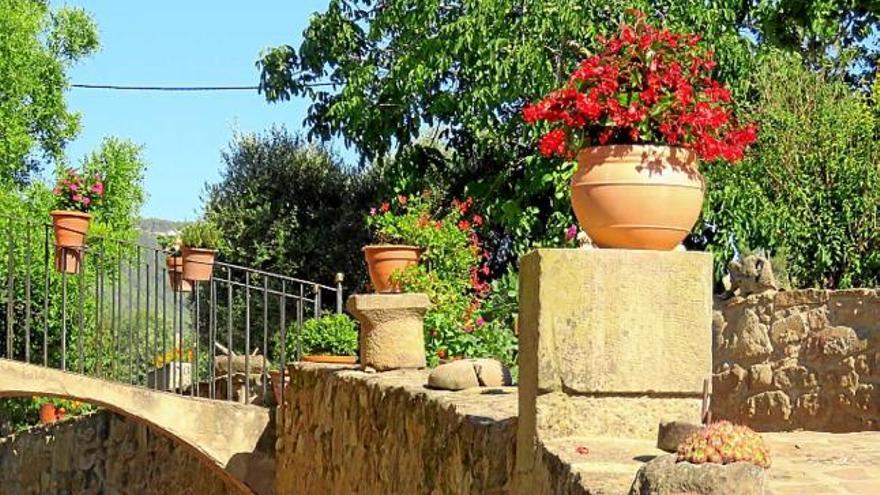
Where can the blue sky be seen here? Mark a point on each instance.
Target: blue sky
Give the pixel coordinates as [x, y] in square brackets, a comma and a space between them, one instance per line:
[182, 43]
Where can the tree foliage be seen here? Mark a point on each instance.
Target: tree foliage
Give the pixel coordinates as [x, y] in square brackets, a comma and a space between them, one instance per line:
[37, 46]
[291, 207]
[811, 187]
[382, 75]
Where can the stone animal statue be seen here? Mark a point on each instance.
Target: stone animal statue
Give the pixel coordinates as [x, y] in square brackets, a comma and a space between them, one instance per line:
[751, 275]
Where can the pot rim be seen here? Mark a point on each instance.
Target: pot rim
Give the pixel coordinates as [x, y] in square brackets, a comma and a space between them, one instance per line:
[409, 247]
[70, 213]
[197, 249]
[639, 145]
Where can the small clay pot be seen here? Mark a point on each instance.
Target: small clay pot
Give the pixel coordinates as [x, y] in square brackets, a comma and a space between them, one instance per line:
[48, 414]
[386, 259]
[175, 274]
[70, 228]
[198, 263]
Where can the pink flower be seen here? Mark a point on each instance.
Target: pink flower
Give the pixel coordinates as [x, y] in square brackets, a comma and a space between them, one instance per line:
[571, 232]
[72, 186]
[372, 212]
[98, 188]
[480, 321]
[76, 197]
[86, 200]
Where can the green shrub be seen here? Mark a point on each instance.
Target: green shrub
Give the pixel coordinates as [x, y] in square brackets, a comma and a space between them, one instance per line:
[201, 234]
[810, 189]
[332, 334]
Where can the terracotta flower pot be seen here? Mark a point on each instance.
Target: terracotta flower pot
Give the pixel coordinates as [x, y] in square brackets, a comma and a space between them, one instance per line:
[68, 260]
[48, 415]
[198, 263]
[637, 196]
[384, 260]
[330, 359]
[175, 274]
[70, 229]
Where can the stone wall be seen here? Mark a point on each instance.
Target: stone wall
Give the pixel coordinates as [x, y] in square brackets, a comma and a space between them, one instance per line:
[102, 453]
[346, 431]
[799, 359]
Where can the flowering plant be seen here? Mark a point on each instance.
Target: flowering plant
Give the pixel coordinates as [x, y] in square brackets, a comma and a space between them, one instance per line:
[452, 271]
[648, 85]
[78, 192]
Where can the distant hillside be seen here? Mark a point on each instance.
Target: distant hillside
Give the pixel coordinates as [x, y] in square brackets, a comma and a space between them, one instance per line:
[151, 227]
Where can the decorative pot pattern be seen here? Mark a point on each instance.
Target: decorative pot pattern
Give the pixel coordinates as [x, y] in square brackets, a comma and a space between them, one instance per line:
[637, 196]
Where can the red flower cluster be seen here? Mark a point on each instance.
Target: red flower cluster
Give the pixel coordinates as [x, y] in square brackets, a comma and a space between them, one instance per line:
[648, 85]
[78, 192]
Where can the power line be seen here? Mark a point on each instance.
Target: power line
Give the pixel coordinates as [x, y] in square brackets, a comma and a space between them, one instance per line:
[118, 87]
[164, 88]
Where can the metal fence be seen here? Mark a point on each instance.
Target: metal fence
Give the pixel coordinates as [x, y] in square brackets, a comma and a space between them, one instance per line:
[118, 311]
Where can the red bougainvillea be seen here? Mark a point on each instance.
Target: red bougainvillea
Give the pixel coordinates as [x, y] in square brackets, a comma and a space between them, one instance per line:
[648, 85]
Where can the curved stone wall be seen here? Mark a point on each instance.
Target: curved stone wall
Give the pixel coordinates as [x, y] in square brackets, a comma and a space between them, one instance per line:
[102, 453]
[799, 359]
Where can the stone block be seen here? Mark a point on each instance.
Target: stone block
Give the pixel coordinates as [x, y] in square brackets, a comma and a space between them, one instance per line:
[616, 321]
[392, 329]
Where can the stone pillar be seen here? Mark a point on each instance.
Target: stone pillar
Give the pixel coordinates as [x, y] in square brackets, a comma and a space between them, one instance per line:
[392, 329]
[611, 342]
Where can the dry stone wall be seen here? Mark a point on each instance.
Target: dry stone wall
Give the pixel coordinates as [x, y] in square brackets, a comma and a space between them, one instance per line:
[102, 453]
[347, 431]
[806, 359]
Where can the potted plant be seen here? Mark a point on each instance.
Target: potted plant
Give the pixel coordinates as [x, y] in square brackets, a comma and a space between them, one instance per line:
[396, 230]
[201, 241]
[75, 195]
[637, 117]
[48, 414]
[330, 339]
[171, 243]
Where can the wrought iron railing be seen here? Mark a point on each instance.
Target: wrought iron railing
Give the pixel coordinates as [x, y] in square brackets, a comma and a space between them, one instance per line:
[114, 310]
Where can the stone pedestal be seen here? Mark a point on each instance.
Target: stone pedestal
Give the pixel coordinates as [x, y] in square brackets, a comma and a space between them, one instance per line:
[612, 341]
[392, 329]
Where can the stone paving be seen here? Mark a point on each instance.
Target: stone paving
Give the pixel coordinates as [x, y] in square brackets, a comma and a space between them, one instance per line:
[804, 463]
[824, 463]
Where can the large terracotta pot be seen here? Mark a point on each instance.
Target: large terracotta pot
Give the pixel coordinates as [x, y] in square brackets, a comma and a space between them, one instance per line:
[198, 263]
[70, 229]
[637, 196]
[330, 359]
[385, 259]
[175, 274]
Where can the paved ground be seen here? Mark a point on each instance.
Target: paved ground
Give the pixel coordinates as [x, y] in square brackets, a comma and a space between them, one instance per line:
[804, 463]
[824, 463]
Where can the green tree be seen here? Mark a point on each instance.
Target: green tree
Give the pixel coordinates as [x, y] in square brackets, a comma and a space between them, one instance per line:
[810, 189]
[290, 207]
[466, 69]
[37, 46]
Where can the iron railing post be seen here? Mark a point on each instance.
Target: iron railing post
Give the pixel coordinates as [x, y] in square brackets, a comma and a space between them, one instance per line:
[339, 279]
[10, 293]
